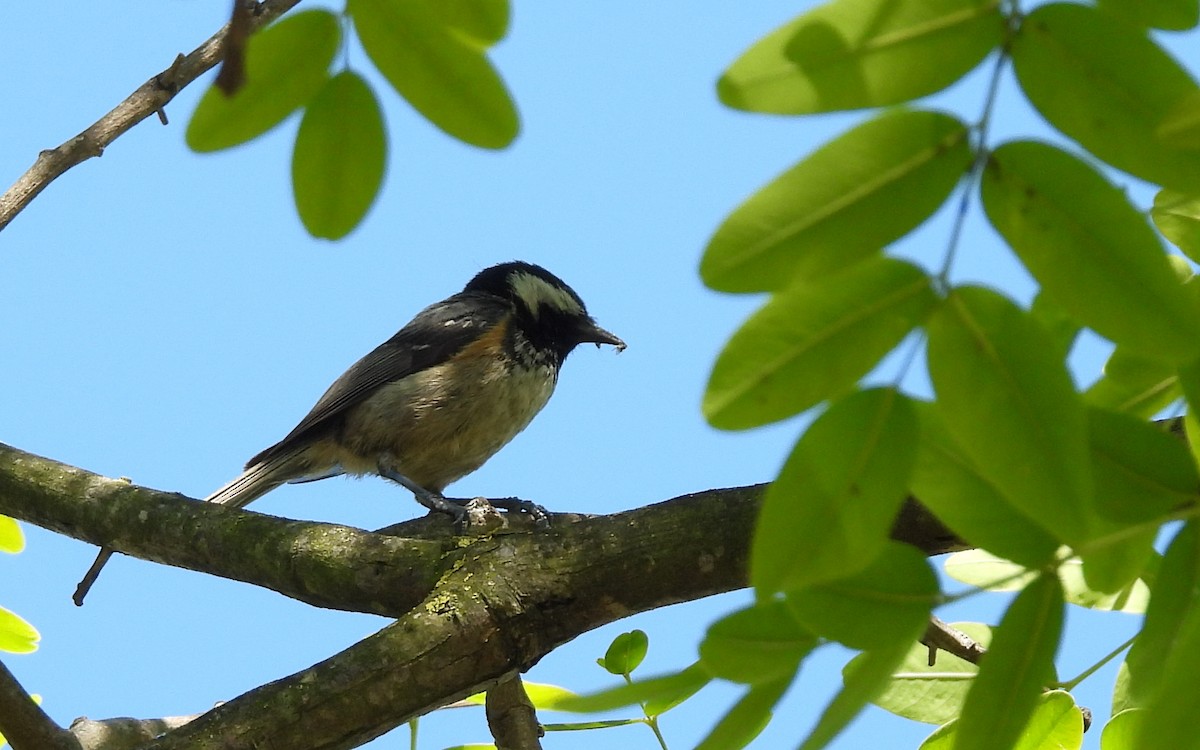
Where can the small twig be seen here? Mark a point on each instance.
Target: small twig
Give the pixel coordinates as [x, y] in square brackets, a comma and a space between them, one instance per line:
[511, 716]
[149, 98]
[941, 637]
[24, 724]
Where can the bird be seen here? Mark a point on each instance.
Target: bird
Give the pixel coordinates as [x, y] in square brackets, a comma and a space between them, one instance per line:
[435, 401]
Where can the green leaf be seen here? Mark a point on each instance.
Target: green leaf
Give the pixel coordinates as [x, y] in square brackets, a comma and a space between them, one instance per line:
[931, 694]
[1061, 326]
[748, 717]
[850, 54]
[671, 686]
[1181, 126]
[1055, 724]
[888, 602]
[1170, 719]
[484, 20]
[829, 513]
[11, 538]
[16, 635]
[442, 72]
[1177, 216]
[340, 156]
[861, 684]
[844, 202]
[981, 568]
[1175, 604]
[813, 341]
[286, 65]
[1108, 86]
[545, 697]
[757, 645]
[1173, 15]
[947, 482]
[1090, 249]
[1019, 664]
[1121, 732]
[1136, 384]
[1012, 408]
[1142, 473]
[625, 653]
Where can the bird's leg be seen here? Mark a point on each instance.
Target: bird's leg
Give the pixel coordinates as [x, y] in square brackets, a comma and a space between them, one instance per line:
[540, 516]
[432, 500]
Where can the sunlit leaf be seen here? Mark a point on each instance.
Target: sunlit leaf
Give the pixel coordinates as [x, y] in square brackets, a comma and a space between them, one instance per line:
[340, 156]
[946, 481]
[861, 684]
[849, 54]
[748, 717]
[985, 570]
[1181, 126]
[1121, 731]
[813, 341]
[1135, 384]
[286, 65]
[683, 683]
[1090, 249]
[840, 204]
[931, 694]
[1177, 216]
[1108, 86]
[1055, 724]
[1019, 664]
[444, 73]
[887, 602]
[1174, 15]
[485, 20]
[16, 635]
[625, 652]
[829, 512]
[11, 538]
[1012, 408]
[760, 644]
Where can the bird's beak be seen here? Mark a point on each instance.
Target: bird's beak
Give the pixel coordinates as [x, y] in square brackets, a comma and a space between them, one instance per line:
[591, 333]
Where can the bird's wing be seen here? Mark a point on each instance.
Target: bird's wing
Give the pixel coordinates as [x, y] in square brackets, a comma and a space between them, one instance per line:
[435, 335]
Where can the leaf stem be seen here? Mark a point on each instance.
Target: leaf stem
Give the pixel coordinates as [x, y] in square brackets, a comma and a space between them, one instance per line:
[1070, 684]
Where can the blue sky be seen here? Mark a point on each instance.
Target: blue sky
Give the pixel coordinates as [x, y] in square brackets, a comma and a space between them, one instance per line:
[168, 317]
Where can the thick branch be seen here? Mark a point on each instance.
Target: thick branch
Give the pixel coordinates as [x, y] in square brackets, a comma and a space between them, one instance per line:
[148, 99]
[511, 716]
[24, 724]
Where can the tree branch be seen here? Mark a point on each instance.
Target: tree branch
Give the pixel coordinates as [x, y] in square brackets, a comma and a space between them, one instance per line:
[23, 722]
[149, 98]
[511, 716]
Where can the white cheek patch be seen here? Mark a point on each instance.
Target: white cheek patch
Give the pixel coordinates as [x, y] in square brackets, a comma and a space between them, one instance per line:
[536, 293]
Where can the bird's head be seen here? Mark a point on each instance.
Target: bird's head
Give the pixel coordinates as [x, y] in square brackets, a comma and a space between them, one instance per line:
[551, 315]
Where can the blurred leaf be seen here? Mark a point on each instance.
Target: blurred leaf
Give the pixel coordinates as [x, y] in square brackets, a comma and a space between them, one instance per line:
[11, 538]
[1108, 86]
[1121, 731]
[625, 653]
[1170, 719]
[683, 683]
[485, 20]
[1174, 15]
[1142, 473]
[1055, 724]
[1062, 327]
[1090, 249]
[1122, 699]
[748, 717]
[757, 645]
[850, 54]
[1136, 384]
[829, 513]
[1012, 408]
[544, 697]
[1019, 664]
[813, 341]
[888, 602]
[931, 694]
[844, 202]
[443, 73]
[861, 684]
[948, 484]
[980, 568]
[1181, 126]
[286, 65]
[1177, 216]
[16, 635]
[340, 156]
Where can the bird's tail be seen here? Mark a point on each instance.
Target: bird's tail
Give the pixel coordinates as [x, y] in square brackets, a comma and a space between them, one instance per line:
[257, 480]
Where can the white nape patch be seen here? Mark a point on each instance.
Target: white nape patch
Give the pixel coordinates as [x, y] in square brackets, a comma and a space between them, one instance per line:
[536, 293]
